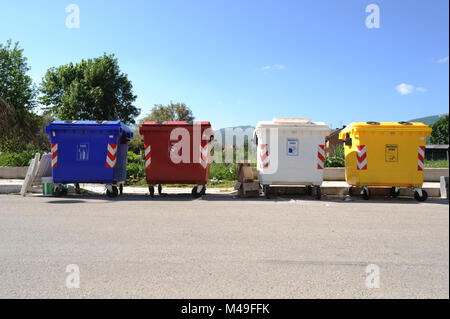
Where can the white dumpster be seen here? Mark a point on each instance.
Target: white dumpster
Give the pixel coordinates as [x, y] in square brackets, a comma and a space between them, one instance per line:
[291, 152]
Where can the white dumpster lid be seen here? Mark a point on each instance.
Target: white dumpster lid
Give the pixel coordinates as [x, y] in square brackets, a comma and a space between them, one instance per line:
[292, 122]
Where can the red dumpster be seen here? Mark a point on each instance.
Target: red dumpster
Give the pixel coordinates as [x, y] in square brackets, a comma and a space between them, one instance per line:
[177, 153]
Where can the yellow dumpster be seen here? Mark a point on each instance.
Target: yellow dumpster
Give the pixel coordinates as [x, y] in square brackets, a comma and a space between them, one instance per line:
[385, 154]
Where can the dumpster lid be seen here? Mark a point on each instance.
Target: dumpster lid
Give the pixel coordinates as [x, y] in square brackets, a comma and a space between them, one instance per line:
[176, 123]
[413, 126]
[292, 122]
[88, 125]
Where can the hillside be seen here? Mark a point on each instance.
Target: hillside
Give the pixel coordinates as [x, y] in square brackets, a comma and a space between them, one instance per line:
[428, 120]
[243, 127]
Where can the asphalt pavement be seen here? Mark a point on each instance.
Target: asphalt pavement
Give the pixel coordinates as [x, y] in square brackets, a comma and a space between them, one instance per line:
[222, 247]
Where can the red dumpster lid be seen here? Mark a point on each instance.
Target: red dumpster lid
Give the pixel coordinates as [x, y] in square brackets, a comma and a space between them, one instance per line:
[176, 123]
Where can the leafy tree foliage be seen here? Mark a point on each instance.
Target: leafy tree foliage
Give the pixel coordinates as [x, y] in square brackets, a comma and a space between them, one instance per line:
[439, 135]
[171, 112]
[161, 113]
[94, 89]
[18, 123]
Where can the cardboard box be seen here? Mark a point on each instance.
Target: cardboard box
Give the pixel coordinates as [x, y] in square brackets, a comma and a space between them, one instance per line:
[244, 173]
[251, 189]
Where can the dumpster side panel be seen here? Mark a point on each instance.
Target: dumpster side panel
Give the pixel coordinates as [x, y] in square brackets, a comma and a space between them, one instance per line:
[82, 157]
[384, 158]
[297, 157]
[161, 169]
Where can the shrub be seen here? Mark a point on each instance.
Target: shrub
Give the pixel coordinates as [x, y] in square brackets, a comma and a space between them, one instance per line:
[135, 169]
[221, 171]
[22, 158]
[337, 159]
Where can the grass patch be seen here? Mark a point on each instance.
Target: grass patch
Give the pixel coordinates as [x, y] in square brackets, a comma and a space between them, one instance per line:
[436, 164]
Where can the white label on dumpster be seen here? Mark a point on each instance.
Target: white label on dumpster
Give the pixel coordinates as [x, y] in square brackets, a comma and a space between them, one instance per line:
[292, 147]
[83, 152]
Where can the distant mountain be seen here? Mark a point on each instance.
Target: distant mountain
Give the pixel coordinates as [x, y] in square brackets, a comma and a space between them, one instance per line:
[243, 127]
[429, 120]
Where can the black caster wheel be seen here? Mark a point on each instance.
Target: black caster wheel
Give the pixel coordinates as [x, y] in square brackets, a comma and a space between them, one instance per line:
[159, 189]
[350, 191]
[197, 194]
[121, 189]
[394, 192]
[421, 198]
[308, 190]
[57, 191]
[77, 189]
[318, 193]
[365, 192]
[151, 189]
[113, 193]
[266, 190]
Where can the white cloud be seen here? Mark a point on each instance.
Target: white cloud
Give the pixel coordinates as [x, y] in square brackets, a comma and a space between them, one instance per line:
[279, 66]
[404, 88]
[443, 60]
[275, 66]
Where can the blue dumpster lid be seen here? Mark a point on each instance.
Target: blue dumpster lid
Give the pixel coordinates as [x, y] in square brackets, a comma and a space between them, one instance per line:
[89, 125]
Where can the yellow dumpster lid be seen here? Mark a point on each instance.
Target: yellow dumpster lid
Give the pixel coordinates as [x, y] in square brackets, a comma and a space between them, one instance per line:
[386, 126]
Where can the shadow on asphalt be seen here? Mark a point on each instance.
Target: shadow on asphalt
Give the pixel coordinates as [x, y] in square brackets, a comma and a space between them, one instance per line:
[78, 199]
[67, 200]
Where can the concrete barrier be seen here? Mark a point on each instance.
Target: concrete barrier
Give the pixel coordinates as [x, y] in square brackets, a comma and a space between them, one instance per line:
[444, 186]
[334, 174]
[430, 174]
[434, 174]
[13, 172]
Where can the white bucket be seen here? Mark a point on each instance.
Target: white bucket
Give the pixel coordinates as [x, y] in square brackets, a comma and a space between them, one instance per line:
[47, 186]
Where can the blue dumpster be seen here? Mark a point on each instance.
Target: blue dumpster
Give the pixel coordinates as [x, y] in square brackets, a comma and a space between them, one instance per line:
[89, 152]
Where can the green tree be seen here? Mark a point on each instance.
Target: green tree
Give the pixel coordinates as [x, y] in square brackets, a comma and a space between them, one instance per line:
[439, 135]
[18, 123]
[94, 89]
[171, 112]
[161, 113]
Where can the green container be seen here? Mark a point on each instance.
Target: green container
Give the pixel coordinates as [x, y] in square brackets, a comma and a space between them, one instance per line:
[47, 186]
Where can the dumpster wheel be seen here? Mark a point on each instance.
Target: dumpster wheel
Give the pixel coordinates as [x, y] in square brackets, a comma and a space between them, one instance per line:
[308, 190]
[59, 190]
[114, 192]
[160, 189]
[151, 189]
[197, 194]
[350, 191]
[266, 190]
[318, 193]
[420, 197]
[394, 192]
[365, 192]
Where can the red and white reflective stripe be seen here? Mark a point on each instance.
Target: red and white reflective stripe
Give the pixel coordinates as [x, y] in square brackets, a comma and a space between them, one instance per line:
[264, 155]
[54, 155]
[320, 156]
[148, 156]
[421, 158]
[361, 157]
[111, 156]
[204, 158]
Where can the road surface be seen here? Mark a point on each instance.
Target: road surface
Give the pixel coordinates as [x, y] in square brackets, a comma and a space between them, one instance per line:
[221, 247]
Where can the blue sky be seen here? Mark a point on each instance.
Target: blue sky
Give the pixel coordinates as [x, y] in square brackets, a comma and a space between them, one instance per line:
[238, 62]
